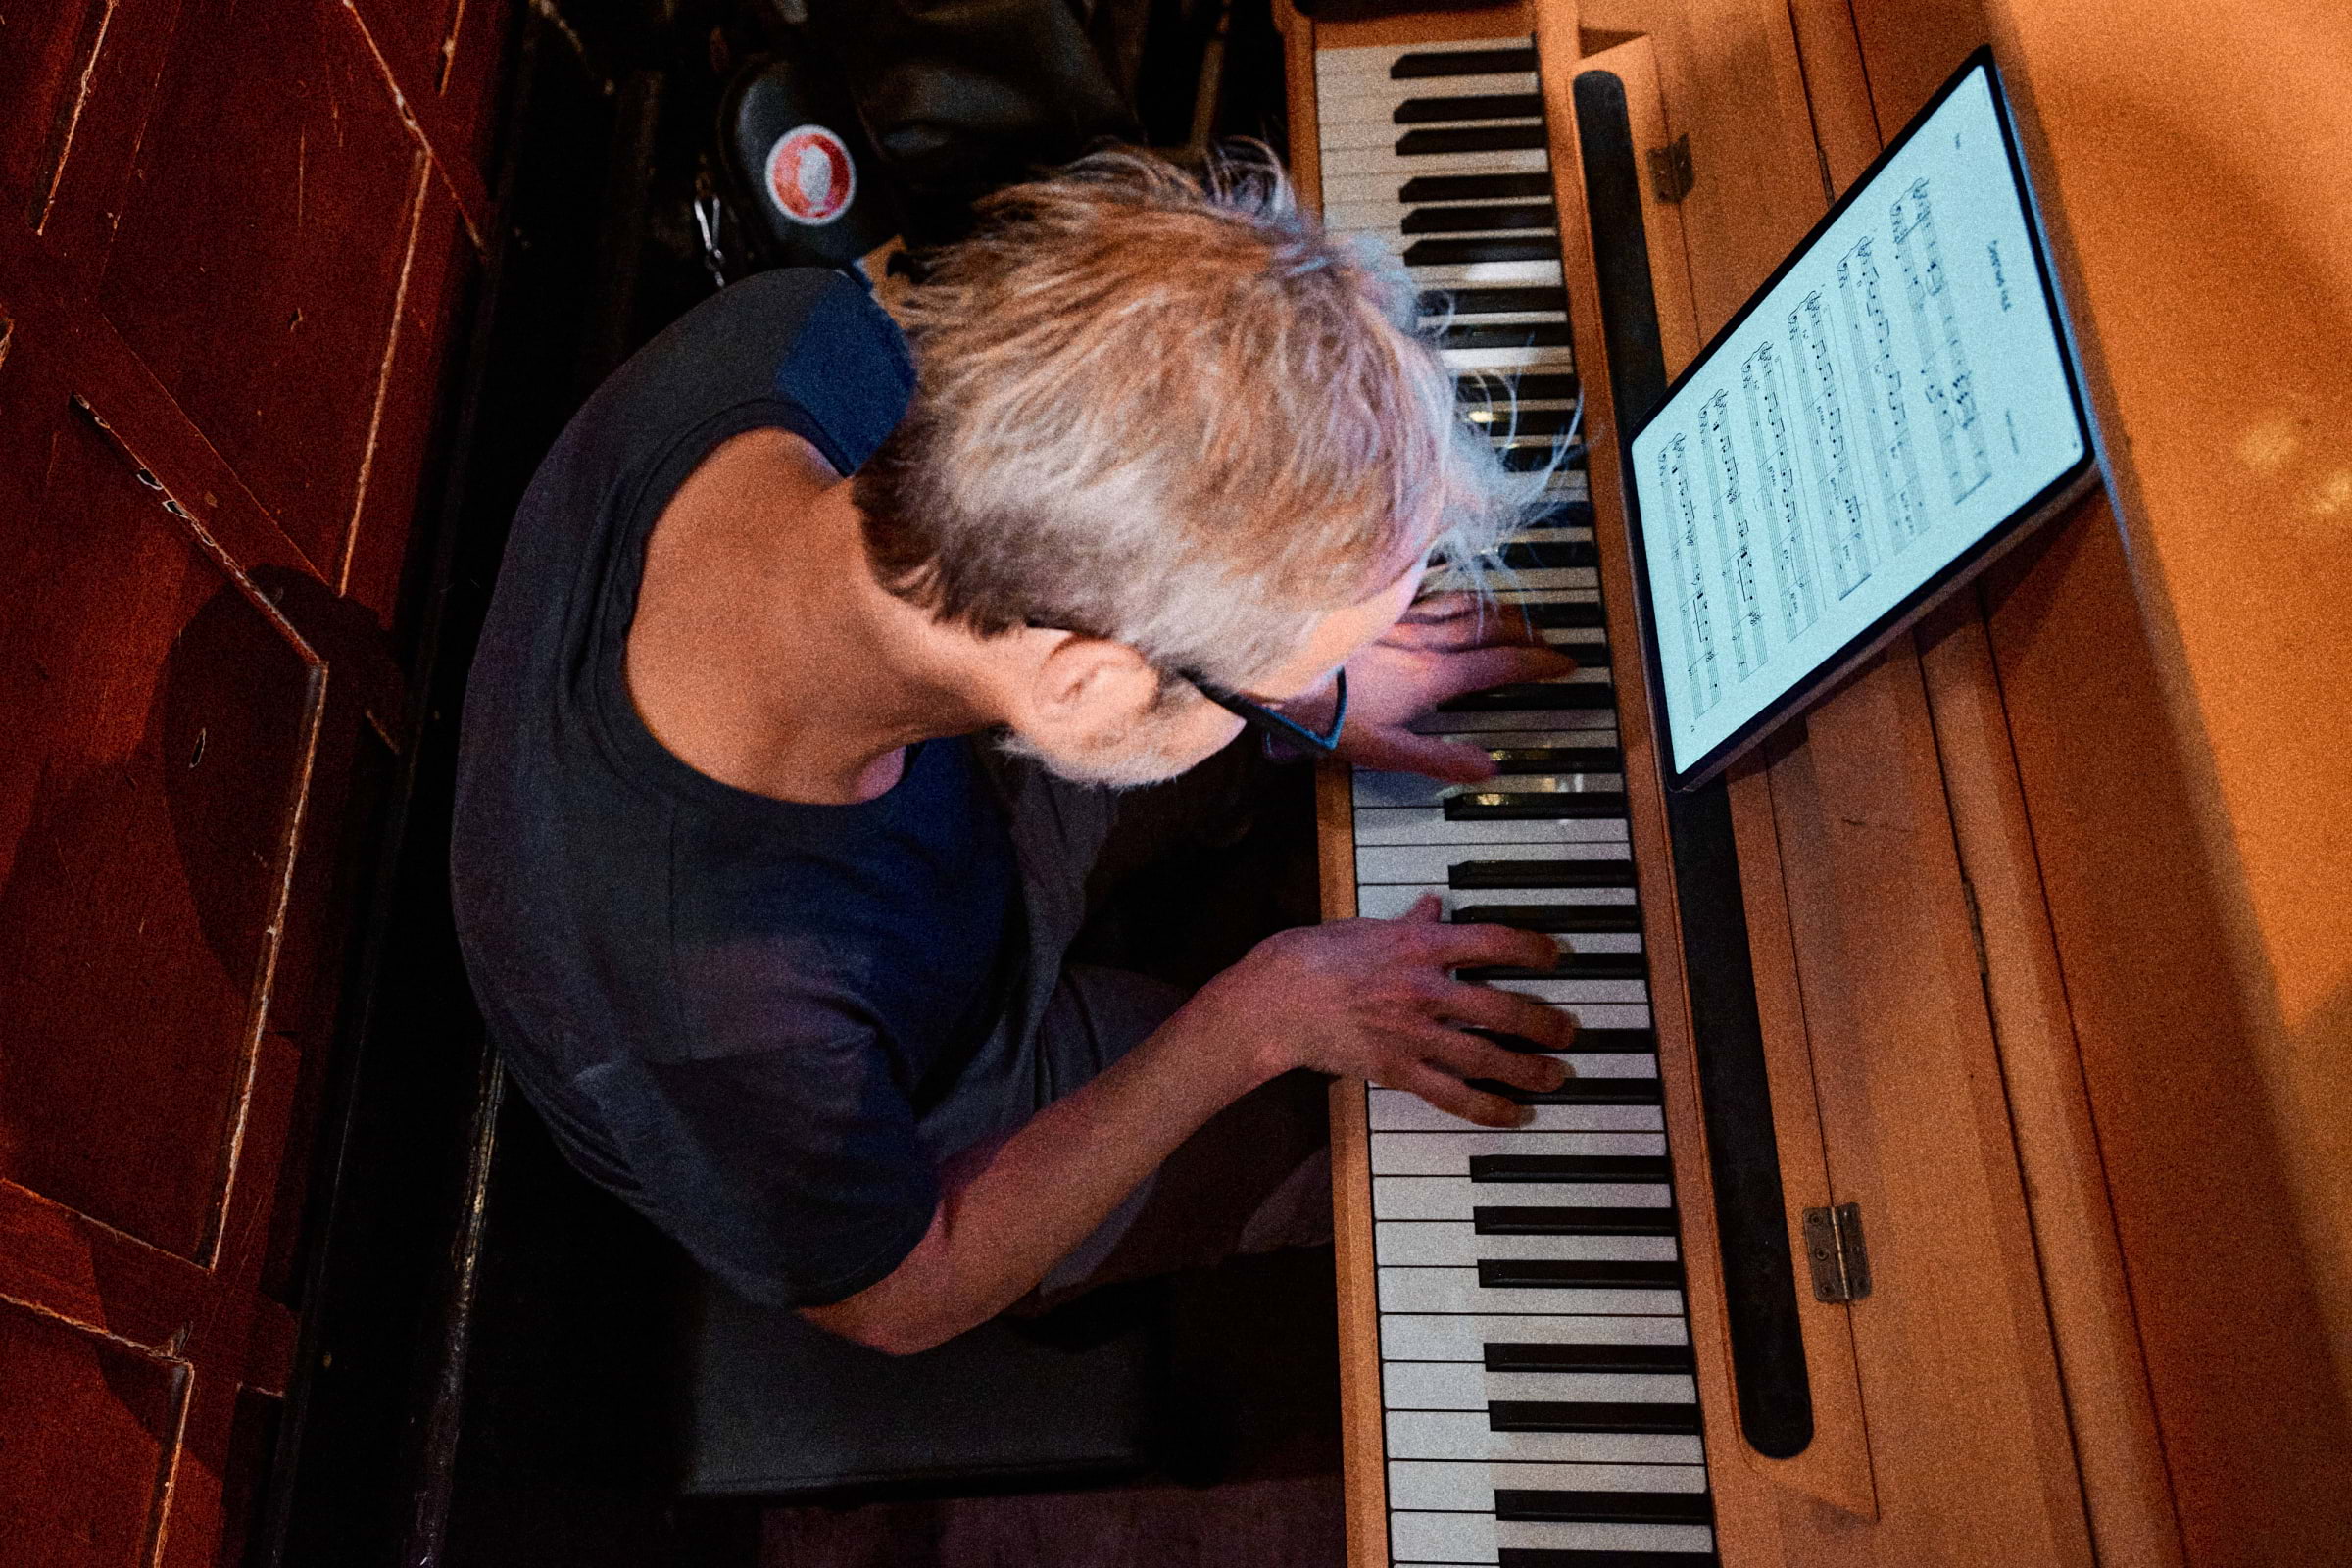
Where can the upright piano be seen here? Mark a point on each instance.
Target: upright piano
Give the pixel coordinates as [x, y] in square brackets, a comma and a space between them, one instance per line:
[1955, 1166]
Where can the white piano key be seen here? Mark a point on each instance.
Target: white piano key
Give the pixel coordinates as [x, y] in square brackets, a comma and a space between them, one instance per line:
[1422, 825]
[1451, 1154]
[1390, 900]
[1468, 1386]
[1395, 1110]
[1456, 1243]
[1580, 996]
[1469, 1486]
[1459, 1337]
[1534, 357]
[1456, 1289]
[1417, 1537]
[1522, 1535]
[1570, 535]
[1465, 1435]
[1347, 161]
[1453, 1198]
[1521, 580]
[1443, 1537]
[1537, 273]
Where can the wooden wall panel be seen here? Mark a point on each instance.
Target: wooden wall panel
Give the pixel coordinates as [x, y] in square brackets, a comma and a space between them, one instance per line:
[91, 1428]
[164, 729]
[260, 288]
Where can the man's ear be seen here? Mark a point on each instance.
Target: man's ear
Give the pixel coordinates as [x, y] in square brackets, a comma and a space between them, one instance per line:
[1085, 684]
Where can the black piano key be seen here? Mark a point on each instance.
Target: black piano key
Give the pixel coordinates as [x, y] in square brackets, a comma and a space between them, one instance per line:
[1536, 697]
[1595, 1042]
[1471, 139]
[1563, 515]
[1505, 421]
[1462, 63]
[1576, 1273]
[1557, 758]
[1587, 655]
[1604, 1507]
[1476, 874]
[1568, 918]
[1572, 966]
[1515, 335]
[1548, 555]
[1561, 615]
[1560, 1415]
[1477, 106]
[1494, 301]
[1570, 1357]
[1555, 1557]
[1501, 387]
[1528, 459]
[1479, 219]
[1578, 1091]
[1533, 187]
[1551, 1221]
[1569, 1168]
[1536, 806]
[1462, 251]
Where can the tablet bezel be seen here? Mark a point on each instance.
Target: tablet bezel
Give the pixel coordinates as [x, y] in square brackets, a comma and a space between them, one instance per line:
[2071, 483]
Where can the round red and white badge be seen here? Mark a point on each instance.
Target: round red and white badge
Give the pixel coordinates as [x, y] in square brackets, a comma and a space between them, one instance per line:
[809, 175]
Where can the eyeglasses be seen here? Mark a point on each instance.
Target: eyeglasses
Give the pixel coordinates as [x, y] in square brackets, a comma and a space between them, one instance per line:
[1313, 721]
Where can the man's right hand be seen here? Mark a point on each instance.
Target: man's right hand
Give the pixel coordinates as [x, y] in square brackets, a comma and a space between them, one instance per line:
[1375, 998]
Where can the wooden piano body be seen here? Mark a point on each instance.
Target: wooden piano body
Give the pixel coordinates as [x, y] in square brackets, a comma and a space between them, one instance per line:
[2047, 908]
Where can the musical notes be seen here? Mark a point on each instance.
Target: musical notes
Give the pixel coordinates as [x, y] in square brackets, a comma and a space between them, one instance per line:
[1799, 438]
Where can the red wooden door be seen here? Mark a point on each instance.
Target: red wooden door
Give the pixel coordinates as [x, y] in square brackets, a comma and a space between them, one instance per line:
[233, 238]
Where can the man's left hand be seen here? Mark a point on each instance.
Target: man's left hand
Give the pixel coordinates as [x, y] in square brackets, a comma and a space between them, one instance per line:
[1445, 645]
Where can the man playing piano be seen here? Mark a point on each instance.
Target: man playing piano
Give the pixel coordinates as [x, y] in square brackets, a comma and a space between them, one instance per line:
[780, 786]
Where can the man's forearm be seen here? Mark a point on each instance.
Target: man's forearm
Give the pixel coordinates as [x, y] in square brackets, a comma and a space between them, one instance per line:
[1010, 1211]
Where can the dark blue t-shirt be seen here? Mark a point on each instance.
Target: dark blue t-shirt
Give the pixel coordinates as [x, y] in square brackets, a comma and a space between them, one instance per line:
[731, 1009]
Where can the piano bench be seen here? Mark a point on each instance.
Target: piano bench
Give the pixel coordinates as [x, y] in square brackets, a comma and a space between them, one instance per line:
[779, 1409]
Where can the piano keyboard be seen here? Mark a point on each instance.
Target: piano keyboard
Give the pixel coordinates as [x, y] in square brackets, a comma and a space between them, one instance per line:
[1535, 1359]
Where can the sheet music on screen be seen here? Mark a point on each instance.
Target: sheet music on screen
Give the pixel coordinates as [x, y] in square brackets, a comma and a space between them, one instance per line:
[1895, 397]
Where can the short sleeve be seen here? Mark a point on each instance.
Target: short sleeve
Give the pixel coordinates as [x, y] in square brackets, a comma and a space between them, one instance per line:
[794, 1175]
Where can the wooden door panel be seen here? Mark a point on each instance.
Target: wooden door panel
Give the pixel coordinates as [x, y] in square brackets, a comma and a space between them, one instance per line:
[91, 1425]
[46, 51]
[164, 727]
[262, 289]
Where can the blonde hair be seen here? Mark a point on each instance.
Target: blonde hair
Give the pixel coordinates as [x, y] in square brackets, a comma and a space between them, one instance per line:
[1165, 408]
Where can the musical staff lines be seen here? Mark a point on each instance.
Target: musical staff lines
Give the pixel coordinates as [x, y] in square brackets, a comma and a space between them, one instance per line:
[1942, 354]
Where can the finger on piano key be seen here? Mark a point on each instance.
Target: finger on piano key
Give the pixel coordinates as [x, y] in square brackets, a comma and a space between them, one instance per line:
[1457, 1290]
[1657, 1343]
[1469, 1487]
[1468, 1386]
[1395, 1110]
[1416, 790]
[1454, 1199]
[1457, 1244]
[1466, 1435]
[1385, 901]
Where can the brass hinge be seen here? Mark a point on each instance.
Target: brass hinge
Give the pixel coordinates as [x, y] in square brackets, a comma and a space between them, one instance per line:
[1833, 1249]
[1671, 175]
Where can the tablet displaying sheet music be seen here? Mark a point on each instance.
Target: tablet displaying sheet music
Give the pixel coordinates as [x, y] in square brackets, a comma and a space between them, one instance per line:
[1895, 405]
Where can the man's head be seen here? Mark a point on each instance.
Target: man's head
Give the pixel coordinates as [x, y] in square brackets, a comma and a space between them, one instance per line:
[1166, 414]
